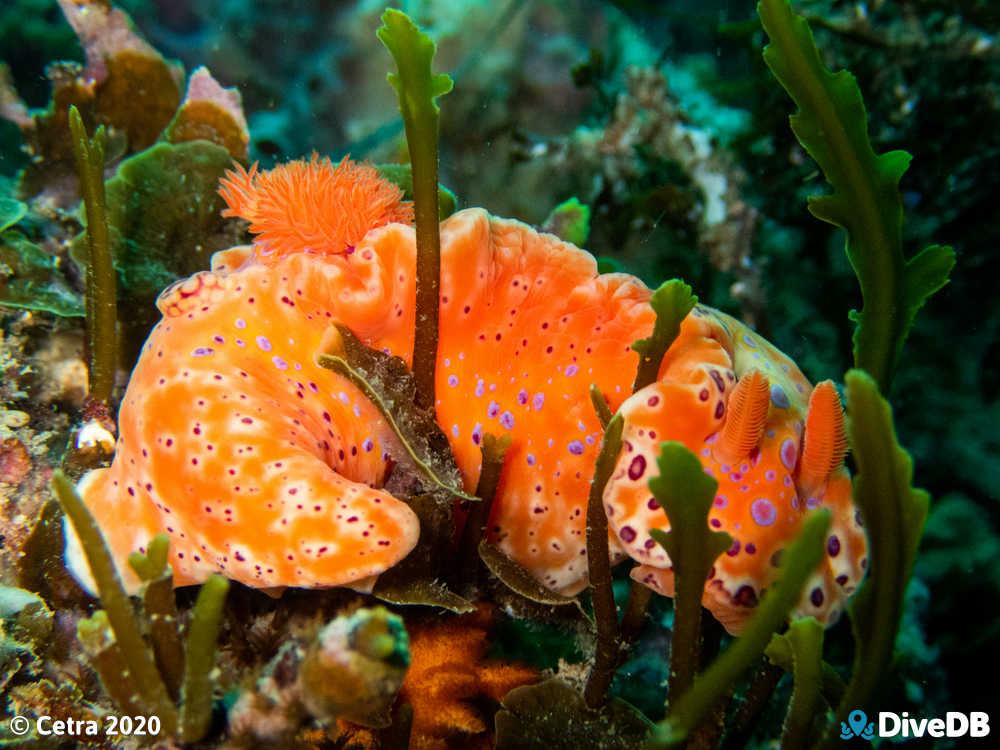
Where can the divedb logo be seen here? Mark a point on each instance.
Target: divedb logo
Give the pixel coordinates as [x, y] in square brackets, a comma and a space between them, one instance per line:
[903, 726]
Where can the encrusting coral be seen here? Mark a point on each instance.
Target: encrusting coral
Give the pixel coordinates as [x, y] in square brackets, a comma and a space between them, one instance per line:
[229, 428]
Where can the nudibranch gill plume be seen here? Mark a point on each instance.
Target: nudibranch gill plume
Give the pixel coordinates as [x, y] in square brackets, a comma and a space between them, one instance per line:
[268, 468]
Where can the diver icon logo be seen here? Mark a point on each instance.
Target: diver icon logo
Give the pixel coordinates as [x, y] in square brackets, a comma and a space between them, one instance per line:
[857, 725]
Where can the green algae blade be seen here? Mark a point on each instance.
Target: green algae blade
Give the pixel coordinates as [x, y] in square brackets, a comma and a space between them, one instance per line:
[832, 125]
[101, 278]
[199, 658]
[672, 302]
[686, 492]
[801, 649]
[798, 563]
[599, 568]
[417, 88]
[894, 513]
[120, 614]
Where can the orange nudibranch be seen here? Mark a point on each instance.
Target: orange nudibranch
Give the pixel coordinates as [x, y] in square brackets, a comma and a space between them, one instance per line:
[268, 468]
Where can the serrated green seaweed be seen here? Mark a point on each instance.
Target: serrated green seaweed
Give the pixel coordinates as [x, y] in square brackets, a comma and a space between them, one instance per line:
[672, 301]
[798, 563]
[801, 648]
[417, 88]
[102, 283]
[686, 493]
[894, 513]
[832, 125]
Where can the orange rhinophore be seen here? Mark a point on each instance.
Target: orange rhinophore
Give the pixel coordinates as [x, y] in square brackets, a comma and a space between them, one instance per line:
[268, 468]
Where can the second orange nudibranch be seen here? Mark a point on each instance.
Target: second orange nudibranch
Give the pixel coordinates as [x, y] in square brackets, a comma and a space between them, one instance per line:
[270, 469]
[775, 445]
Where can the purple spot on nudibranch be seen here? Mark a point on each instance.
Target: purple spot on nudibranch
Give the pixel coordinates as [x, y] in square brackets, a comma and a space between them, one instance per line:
[812, 502]
[720, 409]
[477, 433]
[721, 501]
[637, 468]
[575, 447]
[748, 340]
[202, 351]
[719, 382]
[769, 475]
[734, 549]
[453, 380]
[745, 596]
[507, 420]
[652, 504]
[218, 339]
[703, 394]
[240, 323]
[493, 409]
[750, 548]
[778, 397]
[263, 343]
[816, 597]
[368, 445]
[833, 546]
[627, 534]
[522, 397]
[538, 401]
[763, 512]
[572, 370]
[715, 523]
[530, 459]
[279, 362]
[652, 401]
[789, 453]
[480, 388]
